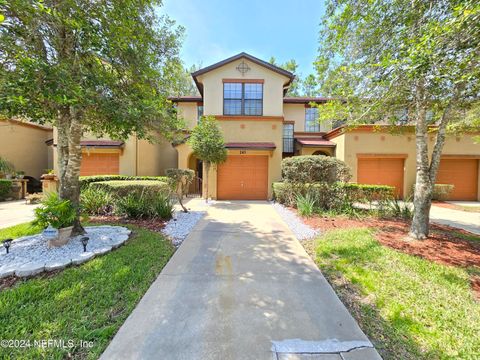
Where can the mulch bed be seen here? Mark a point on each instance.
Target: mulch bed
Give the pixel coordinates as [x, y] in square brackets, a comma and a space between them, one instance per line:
[149, 224]
[444, 244]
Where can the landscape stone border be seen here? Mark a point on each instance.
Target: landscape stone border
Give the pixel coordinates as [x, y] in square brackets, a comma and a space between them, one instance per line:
[30, 255]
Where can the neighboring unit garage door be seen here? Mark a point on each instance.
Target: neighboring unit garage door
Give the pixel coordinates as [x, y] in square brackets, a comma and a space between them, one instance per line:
[463, 174]
[243, 178]
[99, 164]
[382, 171]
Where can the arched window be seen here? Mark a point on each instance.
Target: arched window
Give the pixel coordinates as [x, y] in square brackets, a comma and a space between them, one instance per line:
[320, 152]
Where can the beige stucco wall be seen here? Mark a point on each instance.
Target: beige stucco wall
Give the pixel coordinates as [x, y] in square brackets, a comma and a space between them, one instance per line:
[295, 112]
[188, 112]
[272, 87]
[24, 146]
[154, 158]
[351, 144]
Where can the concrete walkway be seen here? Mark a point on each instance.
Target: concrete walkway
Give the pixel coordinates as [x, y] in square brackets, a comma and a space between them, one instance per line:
[240, 287]
[15, 212]
[469, 221]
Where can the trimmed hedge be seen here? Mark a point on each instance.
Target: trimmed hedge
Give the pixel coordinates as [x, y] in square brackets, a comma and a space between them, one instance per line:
[308, 169]
[333, 196]
[442, 191]
[86, 180]
[126, 187]
[5, 187]
[369, 193]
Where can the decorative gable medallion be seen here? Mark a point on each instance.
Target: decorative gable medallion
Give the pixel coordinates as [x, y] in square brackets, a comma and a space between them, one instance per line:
[243, 68]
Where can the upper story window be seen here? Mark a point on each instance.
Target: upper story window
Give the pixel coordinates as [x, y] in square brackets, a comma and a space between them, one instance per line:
[242, 99]
[199, 112]
[311, 120]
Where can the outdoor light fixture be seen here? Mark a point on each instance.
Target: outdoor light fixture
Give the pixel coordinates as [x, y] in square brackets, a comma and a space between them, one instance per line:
[84, 241]
[7, 243]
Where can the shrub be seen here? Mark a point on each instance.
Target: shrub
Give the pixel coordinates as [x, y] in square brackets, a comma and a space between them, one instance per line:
[326, 196]
[179, 181]
[86, 180]
[145, 205]
[162, 206]
[396, 209]
[5, 187]
[310, 169]
[305, 204]
[122, 188]
[133, 206]
[96, 201]
[368, 193]
[55, 212]
[442, 191]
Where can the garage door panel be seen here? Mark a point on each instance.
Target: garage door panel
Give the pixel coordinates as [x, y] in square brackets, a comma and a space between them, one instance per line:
[382, 171]
[99, 164]
[243, 178]
[463, 174]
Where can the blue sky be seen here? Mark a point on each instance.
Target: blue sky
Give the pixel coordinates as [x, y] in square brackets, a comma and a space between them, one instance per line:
[217, 29]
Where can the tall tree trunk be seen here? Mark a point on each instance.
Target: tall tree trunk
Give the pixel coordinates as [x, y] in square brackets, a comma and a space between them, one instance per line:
[69, 160]
[423, 186]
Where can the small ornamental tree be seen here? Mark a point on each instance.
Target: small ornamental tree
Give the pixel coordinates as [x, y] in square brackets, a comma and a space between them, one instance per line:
[208, 145]
[179, 181]
[103, 67]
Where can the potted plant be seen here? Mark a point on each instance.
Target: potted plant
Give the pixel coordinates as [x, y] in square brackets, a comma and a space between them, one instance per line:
[48, 175]
[57, 213]
[20, 174]
[6, 168]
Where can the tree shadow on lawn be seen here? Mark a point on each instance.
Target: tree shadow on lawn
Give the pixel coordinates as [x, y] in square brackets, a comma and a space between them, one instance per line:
[395, 337]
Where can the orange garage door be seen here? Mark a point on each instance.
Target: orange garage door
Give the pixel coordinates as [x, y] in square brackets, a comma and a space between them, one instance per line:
[99, 164]
[243, 178]
[382, 171]
[463, 174]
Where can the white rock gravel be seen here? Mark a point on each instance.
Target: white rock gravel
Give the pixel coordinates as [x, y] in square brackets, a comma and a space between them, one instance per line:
[30, 255]
[178, 230]
[296, 225]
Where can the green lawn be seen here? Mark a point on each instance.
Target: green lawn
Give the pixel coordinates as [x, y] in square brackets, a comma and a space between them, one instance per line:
[84, 303]
[410, 307]
[16, 231]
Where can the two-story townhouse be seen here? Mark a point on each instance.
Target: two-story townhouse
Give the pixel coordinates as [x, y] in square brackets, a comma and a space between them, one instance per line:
[262, 126]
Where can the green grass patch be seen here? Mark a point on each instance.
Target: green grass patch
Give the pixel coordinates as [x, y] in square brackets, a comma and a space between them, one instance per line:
[19, 230]
[410, 307]
[88, 302]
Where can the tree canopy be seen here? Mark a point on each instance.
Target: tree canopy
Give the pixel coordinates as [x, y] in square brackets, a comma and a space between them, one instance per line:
[415, 62]
[111, 62]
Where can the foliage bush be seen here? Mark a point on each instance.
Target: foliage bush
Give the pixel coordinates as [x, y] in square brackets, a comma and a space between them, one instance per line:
[442, 192]
[396, 209]
[367, 193]
[338, 197]
[306, 204]
[86, 180]
[310, 169]
[55, 212]
[125, 187]
[5, 187]
[145, 205]
[96, 201]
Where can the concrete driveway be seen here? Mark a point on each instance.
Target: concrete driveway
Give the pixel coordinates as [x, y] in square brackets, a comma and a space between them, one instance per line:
[469, 221]
[15, 212]
[240, 287]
